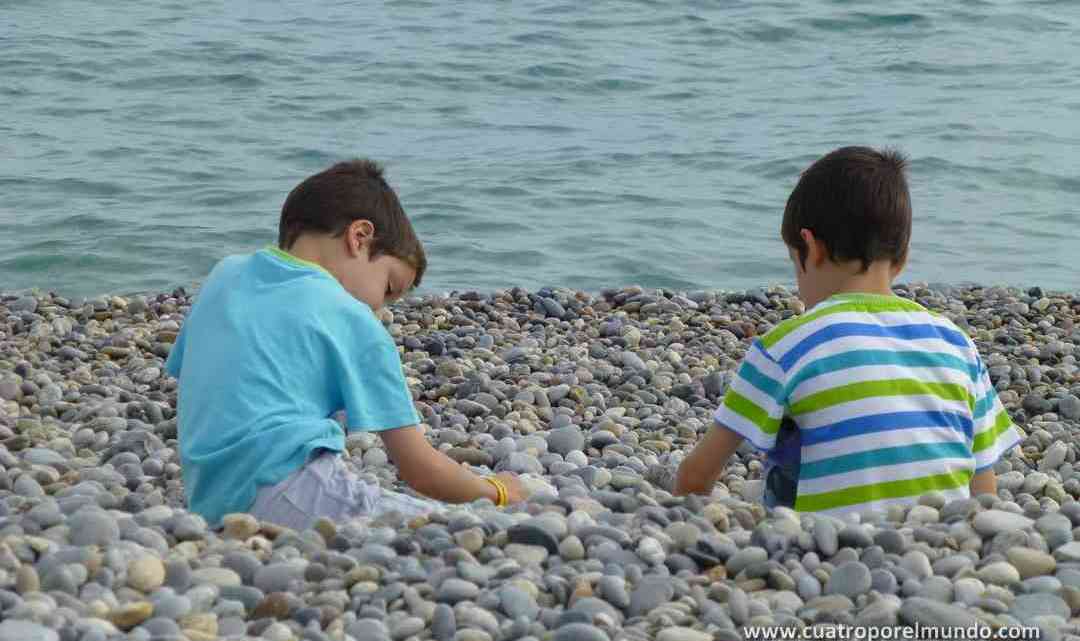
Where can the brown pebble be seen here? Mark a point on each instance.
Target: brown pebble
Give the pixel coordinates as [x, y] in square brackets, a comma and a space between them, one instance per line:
[201, 623]
[128, 616]
[146, 573]
[240, 526]
[275, 604]
[26, 579]
[752, 585]
[272, 530]
[326, 528]
[582, 590]
[363, 573]
[1071, 595]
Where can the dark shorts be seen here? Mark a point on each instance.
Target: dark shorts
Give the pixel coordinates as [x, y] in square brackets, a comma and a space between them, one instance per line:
[782, 467]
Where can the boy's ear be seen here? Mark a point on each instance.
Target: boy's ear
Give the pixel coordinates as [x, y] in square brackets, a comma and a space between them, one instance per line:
[816, 252]
[358, 234]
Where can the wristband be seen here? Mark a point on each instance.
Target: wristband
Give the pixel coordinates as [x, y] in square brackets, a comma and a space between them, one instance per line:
[502, 496]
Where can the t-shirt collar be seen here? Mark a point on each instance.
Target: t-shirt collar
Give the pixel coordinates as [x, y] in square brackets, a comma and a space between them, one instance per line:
[285, 256]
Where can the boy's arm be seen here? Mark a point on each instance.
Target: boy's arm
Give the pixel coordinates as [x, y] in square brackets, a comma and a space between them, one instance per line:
[752, 409]
[700, 470]
[435, 475]
[993, 432]
[984, 482]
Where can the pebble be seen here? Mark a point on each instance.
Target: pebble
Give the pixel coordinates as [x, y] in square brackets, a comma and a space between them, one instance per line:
[453, 590]
[534, 535]
[927, 613]
[683, 634]
[993, 522]
[849, 579]
[1000, 573]
[649, 594]
[826, 537]
[579, 632]
[1026, 607]
[1030, 563]
[741, 559]
[596, 397]
[277, 577]
[93, 527]
[917, 564]
[16, 630]
[564, 440]
[240, 526]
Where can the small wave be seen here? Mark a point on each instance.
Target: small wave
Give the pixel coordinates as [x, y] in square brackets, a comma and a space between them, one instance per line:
[116, 152]
[770, 34]
[70, 112]
[223, 198]
[344, 113]
[187, 81]
[504, 191]
[68, 186]
[247, 57]
[676, 96]
[618, 84]
[781, 169]
[547, 129]
[194, 123]
[307, 156]
[546, 37]
[553, 70]
[858, 21]
[73, 75]
[494, 227]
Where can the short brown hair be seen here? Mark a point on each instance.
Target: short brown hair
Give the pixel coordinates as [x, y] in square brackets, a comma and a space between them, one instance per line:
[331, 200]
[856, 201]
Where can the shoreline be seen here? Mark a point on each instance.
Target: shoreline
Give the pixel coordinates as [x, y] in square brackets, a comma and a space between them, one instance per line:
[456, 292]
[597, 395]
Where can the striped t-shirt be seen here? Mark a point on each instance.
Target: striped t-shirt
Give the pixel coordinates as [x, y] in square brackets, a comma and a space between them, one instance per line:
[890, 400]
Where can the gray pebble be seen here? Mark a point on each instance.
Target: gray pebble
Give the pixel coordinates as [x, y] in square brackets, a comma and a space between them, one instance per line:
[579, 632]
[849, 579]
[93, 527]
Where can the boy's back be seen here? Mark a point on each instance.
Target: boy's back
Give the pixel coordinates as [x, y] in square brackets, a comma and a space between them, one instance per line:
[891, 402]
[270, 351]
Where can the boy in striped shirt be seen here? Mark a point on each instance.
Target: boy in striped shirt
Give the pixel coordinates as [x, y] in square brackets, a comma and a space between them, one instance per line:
[867, 399]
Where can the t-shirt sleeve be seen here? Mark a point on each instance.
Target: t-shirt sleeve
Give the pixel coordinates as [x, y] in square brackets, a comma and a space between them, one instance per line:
[372, 384]
[755, 402]
[993, 432]
[175, 361]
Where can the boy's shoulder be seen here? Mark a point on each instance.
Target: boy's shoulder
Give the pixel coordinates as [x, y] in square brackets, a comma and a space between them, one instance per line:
[850, 308]
[299, 295]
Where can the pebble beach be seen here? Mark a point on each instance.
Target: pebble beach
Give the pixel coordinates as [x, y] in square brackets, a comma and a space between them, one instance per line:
[593, 398]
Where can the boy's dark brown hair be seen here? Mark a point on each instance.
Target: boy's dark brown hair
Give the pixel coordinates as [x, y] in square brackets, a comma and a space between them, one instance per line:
[856, 201]
[331, 200]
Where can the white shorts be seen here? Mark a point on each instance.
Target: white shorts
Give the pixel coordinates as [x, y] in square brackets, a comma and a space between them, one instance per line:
[326, 487]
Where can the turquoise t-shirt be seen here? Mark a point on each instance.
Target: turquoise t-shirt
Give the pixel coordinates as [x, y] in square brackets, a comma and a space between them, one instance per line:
[272, 348]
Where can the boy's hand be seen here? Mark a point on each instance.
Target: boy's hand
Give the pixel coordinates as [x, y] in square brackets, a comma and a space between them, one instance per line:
[984, 482]
[435, 475]
[516, 491]
[702, 467]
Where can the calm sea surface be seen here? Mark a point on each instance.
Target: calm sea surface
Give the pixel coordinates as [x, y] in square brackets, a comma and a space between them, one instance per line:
[585, 144]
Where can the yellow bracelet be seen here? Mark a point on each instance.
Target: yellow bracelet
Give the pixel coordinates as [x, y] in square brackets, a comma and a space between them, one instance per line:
[501, 494]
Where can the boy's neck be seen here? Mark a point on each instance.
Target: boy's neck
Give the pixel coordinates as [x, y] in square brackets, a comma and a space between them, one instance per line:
[310, 250]
[876, 280]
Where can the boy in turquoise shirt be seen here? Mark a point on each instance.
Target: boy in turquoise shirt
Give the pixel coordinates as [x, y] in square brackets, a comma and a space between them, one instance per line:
[281, 340]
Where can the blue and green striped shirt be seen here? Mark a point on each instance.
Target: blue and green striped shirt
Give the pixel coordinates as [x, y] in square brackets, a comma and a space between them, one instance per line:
[890, 400]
